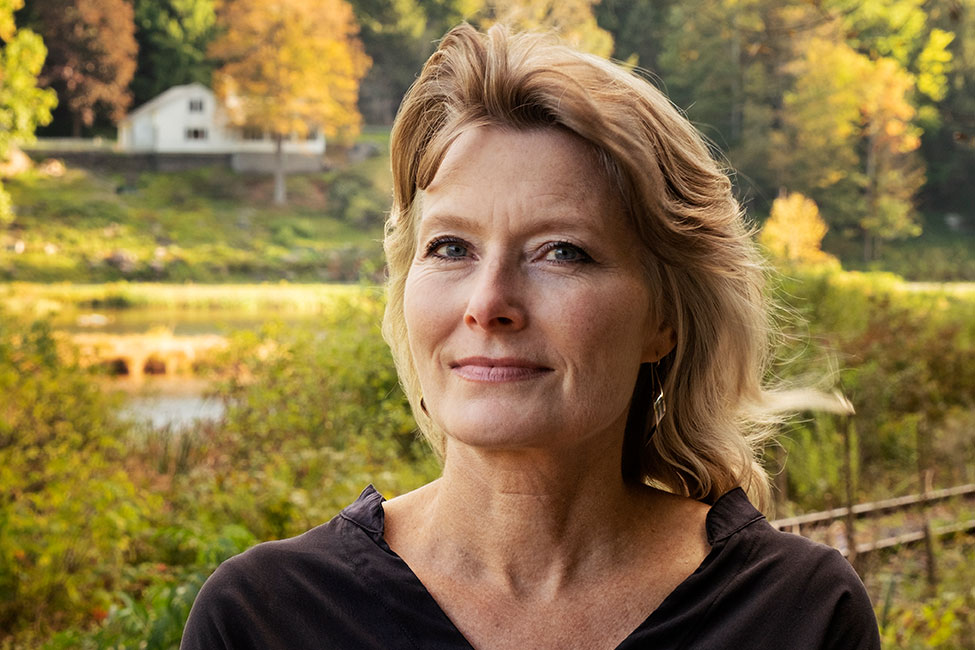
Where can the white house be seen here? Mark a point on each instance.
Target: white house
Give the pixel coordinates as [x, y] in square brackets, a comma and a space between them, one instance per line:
[188, 119]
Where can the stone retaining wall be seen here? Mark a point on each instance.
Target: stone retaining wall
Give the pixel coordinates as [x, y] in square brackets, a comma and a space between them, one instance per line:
[119, 162]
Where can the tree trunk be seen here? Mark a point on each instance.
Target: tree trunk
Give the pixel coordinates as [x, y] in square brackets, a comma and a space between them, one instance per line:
[76, 126]
[280, 196]
[872, 181]
[737, 83]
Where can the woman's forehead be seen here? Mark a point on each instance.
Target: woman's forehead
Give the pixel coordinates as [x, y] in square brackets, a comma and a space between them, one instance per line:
[489, 154]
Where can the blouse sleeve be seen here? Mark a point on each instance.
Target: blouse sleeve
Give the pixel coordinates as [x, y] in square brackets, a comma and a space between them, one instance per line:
[211, 620]
[853, 624]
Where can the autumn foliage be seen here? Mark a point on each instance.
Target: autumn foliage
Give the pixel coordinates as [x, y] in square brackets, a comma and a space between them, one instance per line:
[794, 231]
[91, 55]
[289, 67]
[572, 20]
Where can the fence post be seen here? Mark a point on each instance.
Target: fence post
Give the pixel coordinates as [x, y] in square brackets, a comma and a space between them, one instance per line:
[924, 477]
[848, 477]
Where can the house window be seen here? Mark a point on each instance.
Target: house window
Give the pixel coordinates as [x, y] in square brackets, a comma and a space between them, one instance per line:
[252, 133]
[196, 134]
[196, 106]
[312, 134]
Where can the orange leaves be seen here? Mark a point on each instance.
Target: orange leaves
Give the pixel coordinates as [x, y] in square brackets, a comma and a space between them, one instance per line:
[853, 118]
[290, 66]
[794, 231]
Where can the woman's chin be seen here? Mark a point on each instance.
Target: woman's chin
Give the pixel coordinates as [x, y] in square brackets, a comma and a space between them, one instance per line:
[497, 430]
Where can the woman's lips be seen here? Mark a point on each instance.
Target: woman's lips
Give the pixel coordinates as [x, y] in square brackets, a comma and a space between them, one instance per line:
[489, 370]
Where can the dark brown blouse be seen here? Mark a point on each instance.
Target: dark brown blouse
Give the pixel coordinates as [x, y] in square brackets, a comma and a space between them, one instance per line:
[340, 586]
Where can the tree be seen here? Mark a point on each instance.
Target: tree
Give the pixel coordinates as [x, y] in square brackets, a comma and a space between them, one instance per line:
[893, 173]
[399, 35]
[638, 29]
[91, 55]
[948, 144]
[723, 61]
[821, 116]
[23, 106]
[173, 37]
[289, 67]
[850, 119]
[794, 231]
[394, 34]
[573, 20]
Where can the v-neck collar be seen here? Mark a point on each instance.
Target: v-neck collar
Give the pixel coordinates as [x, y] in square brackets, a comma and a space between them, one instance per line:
[414, 608]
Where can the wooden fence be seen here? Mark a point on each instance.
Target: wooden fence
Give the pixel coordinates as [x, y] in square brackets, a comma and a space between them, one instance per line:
[851, 548]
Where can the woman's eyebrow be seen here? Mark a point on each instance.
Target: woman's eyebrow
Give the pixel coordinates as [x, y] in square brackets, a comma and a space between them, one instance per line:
[566, 217]
[445, 221]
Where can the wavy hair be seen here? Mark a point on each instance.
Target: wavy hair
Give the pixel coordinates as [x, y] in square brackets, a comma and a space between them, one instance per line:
[700, 260]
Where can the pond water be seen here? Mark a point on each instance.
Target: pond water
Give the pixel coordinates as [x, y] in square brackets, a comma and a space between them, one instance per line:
[167, 403]
[174, 403]
[182, 322]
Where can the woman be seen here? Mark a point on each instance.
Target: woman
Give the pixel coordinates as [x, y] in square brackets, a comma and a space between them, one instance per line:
[575, 309]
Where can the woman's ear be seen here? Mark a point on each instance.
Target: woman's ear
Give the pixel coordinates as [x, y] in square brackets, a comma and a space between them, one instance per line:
[659, 343]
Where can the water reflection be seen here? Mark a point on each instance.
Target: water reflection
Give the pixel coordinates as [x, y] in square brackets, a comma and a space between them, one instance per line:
[164, 400]
[181, 322]
[173, 403]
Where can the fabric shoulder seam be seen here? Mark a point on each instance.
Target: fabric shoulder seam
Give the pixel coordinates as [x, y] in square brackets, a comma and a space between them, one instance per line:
[746, 524]
[744, 562]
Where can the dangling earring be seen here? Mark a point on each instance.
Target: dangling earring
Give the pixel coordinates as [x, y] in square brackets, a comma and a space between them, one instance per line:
[659, 405]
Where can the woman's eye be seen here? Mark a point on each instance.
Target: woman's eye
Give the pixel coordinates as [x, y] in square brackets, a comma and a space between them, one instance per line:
[450, 249]
[563, 252]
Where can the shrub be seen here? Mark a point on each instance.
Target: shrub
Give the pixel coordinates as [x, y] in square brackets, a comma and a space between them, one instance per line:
[907, 362]
[69, 515]
[356, 201]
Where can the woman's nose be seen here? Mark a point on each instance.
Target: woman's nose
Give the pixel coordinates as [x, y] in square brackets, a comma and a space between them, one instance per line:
[496, 298]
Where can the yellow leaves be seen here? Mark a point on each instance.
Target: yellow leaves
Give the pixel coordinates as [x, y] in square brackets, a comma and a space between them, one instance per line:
[290, 66]
[572, 20]
[794, 231]
[7, 26]
[854, 120]
[934, 63]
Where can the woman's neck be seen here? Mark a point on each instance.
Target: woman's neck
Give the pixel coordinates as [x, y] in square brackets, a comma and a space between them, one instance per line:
[530, 523]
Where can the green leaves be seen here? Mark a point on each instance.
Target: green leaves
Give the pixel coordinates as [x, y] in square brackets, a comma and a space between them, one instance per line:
[173, 38]
[23, 106]
[69, 514]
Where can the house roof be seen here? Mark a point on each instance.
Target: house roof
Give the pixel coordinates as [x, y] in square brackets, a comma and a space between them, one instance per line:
[173, 94]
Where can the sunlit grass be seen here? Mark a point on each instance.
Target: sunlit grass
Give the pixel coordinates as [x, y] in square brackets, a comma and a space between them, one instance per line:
[37, 299]
[204, 225]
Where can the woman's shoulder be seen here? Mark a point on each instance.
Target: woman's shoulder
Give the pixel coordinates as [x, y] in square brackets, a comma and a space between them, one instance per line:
[760, 583]
[327, 546]
[256, 598]
[733, 521]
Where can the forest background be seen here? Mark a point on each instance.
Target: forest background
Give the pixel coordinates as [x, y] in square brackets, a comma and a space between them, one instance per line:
[850, 127]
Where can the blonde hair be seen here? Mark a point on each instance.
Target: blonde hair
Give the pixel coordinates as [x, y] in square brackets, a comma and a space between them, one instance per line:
[700, 259]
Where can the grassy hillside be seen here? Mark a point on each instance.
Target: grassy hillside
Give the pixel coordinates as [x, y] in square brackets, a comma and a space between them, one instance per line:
[207, 225]
[941, 253]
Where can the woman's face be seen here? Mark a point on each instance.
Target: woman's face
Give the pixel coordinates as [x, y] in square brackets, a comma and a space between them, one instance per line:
[527, 311]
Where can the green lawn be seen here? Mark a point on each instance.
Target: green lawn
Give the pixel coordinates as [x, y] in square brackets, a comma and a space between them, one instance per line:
[208, 225]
